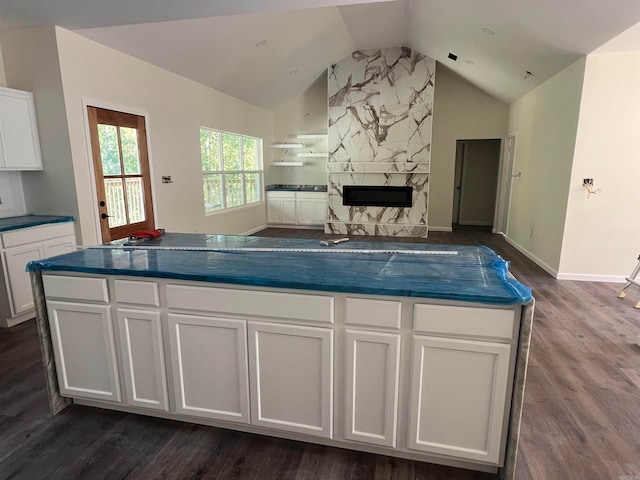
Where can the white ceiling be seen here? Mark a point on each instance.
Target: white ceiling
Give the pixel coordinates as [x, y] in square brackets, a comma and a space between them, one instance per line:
[216, 42]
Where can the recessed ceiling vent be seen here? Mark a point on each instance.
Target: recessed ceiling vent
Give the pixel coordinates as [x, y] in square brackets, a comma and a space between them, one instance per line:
[453, 56]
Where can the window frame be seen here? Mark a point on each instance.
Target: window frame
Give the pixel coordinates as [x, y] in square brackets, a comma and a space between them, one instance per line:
[242, 172]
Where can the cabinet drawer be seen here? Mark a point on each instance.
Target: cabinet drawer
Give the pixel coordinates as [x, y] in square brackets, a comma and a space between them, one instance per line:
[312, 308]
[76, 288]
[374, 313]
[140, 293]
[279, 194]
[40, 233]
[467, 321]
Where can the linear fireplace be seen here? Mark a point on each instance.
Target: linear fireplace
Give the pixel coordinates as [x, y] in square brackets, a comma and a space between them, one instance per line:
[376, 196]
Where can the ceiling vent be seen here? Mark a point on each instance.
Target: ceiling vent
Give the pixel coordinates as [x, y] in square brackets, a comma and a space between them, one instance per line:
[452, 56]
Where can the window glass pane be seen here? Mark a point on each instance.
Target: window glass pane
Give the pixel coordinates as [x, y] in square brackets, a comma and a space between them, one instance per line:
[212, 192]
[135, 199]
[115, 202]
[250, 148]
[230, 152]
[252, 185]
[209, 150]
[129, 141]
[109, 152]
[233, 185]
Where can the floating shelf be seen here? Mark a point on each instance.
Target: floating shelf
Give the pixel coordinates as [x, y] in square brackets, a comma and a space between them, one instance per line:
[287, 164]
[287, 145]
[309, 136]
[312, 155]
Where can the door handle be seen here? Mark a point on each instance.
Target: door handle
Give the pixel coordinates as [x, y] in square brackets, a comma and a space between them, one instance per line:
[104, 215]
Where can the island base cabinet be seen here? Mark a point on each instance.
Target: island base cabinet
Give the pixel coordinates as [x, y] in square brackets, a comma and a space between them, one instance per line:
[291, 378]
[373, 363]
[84, 349]
[209, 364]
[143, 358]
[459, 398]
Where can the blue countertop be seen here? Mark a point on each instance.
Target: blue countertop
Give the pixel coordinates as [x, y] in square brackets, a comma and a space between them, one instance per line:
[469, 273]
[25, 221]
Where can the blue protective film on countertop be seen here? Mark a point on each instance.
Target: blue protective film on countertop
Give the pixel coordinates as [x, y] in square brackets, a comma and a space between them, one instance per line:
[26, 221]
[472, 274]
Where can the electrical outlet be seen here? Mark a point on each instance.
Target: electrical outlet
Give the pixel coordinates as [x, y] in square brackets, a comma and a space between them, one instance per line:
[587, 182]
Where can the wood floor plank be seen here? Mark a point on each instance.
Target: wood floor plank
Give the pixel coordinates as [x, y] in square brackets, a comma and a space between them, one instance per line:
[581, 415]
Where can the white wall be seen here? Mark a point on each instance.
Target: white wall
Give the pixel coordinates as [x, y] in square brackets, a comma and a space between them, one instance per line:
[31, 63]
[304, 114]
[64, 69]
[545, 122]
[460, 112]
[602, 233]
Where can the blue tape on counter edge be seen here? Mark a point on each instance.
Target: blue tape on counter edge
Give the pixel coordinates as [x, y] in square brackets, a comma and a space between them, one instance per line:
[474, 274]
[25, 221]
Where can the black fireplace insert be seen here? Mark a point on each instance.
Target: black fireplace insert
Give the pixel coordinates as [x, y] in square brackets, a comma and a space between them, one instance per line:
[376, 196]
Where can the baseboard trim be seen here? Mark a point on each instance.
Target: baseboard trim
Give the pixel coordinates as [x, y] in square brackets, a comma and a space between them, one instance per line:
[589, 277]
[532, 257]
[254, 230]
[300, 227]
[440, 229]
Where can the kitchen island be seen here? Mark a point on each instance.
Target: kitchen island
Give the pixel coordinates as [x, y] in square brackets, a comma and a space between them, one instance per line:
[409, 350]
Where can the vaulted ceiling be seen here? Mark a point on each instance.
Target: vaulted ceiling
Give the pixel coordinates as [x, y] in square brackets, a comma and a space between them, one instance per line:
[266, 52]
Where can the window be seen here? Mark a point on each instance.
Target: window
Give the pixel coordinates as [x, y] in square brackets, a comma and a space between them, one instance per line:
[231, 169]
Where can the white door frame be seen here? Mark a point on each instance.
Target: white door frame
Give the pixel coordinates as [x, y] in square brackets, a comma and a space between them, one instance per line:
[503, 203]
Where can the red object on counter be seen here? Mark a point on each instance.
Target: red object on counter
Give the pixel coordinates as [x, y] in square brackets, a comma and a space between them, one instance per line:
[147, 234]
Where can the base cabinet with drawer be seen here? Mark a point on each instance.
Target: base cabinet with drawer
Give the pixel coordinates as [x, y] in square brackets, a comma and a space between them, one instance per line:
[388, 375]
[20, 247]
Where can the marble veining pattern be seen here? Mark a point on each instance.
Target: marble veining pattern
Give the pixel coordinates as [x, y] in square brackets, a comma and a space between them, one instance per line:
[380, 119]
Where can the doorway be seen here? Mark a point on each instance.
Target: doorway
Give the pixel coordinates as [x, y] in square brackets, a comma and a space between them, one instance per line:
[475, 182]
[121, 171]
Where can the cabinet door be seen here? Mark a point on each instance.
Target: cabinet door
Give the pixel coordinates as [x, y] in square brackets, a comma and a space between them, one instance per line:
[281, 208]
[459, 399]
[83, 345]
[59, 246]
[373, 362]
[143, 358]
[16, 260]
[291, 378]
[19, 145]
[209, 362]
[305, 211]
[319, 211]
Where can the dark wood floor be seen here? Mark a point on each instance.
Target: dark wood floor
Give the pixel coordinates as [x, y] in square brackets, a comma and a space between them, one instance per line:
[581, 415]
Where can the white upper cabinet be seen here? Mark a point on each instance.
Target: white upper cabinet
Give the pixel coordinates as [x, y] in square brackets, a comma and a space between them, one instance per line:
[19, 144]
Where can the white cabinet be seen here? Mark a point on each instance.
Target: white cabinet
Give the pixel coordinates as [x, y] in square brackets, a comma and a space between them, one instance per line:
[19, 144]
[20, 247]
[459, 397]
[311, 207]
[84, 349]
[142, 354]
[15, 260]
[209, 362]
[281, 208]
[372, 369]
[296, 208]
[291, 378]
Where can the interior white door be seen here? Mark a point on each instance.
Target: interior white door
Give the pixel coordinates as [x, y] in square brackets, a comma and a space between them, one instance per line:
[292, 378]
[143, 358]
[373, 363]
[459, 398]
[209, 363]
[84, 349]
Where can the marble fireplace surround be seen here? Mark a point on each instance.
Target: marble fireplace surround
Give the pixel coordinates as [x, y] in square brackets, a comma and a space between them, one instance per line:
[380, 116]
